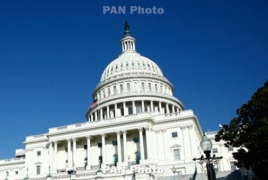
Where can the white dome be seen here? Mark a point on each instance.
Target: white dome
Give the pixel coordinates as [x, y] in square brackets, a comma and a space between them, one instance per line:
[130, 62]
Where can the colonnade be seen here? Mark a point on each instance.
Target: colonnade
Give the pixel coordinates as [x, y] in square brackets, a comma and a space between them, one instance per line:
[131, 107]
[122, 156]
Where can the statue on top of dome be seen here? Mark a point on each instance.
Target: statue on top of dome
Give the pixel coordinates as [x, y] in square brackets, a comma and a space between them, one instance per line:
[126, 26]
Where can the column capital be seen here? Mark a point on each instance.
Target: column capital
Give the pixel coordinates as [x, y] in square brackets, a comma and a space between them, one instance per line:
[89, 137]
[140, 129]
[68, 139]
[55, 142]
[183, 127]
[118, 132]
[74, 139]
[190, 126]
[163, 130]
[148, 128]
[124, 131]
[103, 135]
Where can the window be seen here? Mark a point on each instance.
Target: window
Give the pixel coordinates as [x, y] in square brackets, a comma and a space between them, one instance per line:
[109, 92]
[114, 143]
[38, 153]
[179, 172]
[16, 172]
[155, 87]
[215, 150]
[146, 109]
[130, 110]
[121, 88]
[232, 164]
[122, 111]
[115, 159]
[142, 86]
[150, 86]
[174, 134]
[128, 87]
[138, 109]
[114, 90]
[176, 154]
[85, 146]
[161, 88]
[99, 145]
[138, 157]
[38, 170]
[230, 148]
[136, 140]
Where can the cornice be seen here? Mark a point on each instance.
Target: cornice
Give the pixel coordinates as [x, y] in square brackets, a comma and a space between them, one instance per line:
[116, 124]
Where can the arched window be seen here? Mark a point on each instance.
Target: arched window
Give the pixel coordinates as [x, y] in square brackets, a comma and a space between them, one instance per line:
[138, 157]
[142, 86]
[114, 90]
[128, 87]
[130, 110]
[150, 86]
[121, 88]
[115, 159]
[109, 92]
[155, 87]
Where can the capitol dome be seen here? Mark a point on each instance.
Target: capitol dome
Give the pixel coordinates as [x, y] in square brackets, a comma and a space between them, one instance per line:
[131, 62]
[130, 85]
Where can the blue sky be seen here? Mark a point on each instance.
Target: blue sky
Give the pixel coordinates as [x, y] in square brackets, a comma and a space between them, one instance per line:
[52, 54]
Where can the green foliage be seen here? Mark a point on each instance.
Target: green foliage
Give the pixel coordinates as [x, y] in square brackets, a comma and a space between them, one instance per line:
[249, 132]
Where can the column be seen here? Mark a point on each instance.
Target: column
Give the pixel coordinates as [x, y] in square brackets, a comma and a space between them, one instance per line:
[124, 108]
[163, 139]
[69, 154]
[74, 152]
[101, 115]
[108, 112]
[167, 108]
[119, 147]
[88, 152]
[91, 117]
[103, 149]
[125, 145]
[192, 140]
[173, 109]
[160, 145]
[152, 106]
[142, 106]
[133, 107]
[50, 153]
[96, 115]
[141, 144]
[55, 154]
[115, 110]
[183, 140]
[149, 143]
[159, 104]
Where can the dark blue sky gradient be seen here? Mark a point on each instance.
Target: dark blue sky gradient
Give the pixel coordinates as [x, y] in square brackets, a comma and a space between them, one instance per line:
[52, 55]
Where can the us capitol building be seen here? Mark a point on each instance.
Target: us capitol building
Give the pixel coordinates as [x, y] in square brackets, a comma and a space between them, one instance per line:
[134, 121]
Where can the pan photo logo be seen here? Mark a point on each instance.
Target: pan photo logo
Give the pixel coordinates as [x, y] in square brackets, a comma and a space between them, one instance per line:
[132, 10]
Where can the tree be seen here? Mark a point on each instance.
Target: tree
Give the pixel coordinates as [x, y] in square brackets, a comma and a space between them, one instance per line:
[249, 133]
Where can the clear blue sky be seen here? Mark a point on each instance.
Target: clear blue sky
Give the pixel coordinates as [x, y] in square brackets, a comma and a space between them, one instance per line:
[53, 52]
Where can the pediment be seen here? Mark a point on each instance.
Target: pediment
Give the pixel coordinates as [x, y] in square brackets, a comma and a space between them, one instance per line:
[175, 146]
